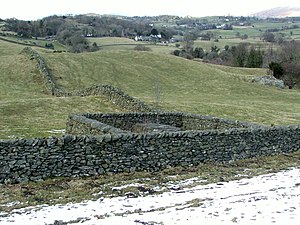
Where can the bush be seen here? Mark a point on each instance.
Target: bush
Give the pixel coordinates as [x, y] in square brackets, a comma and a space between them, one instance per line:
[183, 54]
[94, 47]
[50, 46]
[277, 69]
[177, 52]
[198, 53]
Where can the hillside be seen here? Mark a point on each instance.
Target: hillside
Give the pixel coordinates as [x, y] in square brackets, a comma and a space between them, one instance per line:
[26, 109]
[184, 85]
[279, 12]
[180, 85]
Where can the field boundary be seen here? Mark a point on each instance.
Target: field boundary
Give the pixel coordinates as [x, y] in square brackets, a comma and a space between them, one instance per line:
[111, 93]
[21, 43]
[118, 151]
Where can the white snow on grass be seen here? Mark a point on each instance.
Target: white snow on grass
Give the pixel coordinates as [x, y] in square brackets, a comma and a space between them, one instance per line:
[63, 131]
[267, 199]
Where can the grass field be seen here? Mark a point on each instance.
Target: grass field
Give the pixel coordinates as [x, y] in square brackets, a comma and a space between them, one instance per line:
[117, 44]
[185, 85]
[255, 33]
[41, 42]
[28, 111]
[221, 43]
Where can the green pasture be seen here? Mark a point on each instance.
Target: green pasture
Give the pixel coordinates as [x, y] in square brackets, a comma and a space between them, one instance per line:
[184, 85]
[39, 42]
[221, 43]
[27, 109]
[111, 41]
[118, 43]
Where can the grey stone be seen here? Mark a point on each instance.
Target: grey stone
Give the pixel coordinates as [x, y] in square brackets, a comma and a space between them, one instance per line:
[269, 81]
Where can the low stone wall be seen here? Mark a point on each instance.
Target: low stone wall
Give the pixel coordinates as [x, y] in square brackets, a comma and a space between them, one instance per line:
[113, 146]
[100, 123]
[82, 125]
[44, 70]
[68, 156]
[112, 94]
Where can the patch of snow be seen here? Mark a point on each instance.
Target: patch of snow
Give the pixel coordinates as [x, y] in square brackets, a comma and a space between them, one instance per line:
[63, 131]
[271, 198]
[126, 186]
[11, 204]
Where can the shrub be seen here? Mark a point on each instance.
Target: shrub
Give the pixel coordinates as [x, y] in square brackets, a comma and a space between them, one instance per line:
[277, 69]
[177, 52]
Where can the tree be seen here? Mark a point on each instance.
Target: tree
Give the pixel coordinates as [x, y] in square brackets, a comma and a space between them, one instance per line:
[290, 60]
[290, 52]
[226, 56]
[214, 49]
[255, 58]
[240, 53]
[228, 27]
[74, 40]
[24, 29]
[166, 35]
[50, 46]
[212, 56]
[94, 47]
[154, 32]
[269, 37]
[292, 74]
[244, 37]
[64, 36]
[277, 69]
[198, 53]
[78, 43]
[177, 52]
[188, 42]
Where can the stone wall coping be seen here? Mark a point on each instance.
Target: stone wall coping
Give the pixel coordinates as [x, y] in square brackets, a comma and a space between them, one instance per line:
[154, 135]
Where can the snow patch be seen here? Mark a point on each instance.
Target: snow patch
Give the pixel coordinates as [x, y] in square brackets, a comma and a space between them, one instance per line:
[271, 198]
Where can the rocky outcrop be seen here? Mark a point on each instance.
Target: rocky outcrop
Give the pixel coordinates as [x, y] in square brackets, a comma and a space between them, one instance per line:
[269, 81]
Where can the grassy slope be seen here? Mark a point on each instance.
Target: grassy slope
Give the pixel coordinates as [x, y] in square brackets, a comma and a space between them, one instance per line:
[26, 110]
[41, 42]
[185, 85]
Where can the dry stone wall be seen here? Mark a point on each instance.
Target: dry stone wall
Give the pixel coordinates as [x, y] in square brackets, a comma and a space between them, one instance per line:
[100, 123]
[124, 151]
[109, 143]
[112, 94]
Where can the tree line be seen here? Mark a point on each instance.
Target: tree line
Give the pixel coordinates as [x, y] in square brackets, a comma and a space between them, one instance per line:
[73, 31]
[283, 62]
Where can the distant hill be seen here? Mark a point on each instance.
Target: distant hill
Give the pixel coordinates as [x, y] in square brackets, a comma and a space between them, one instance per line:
[278, 12]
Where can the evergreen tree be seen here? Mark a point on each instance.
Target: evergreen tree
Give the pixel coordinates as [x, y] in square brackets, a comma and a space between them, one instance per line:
[255, 58]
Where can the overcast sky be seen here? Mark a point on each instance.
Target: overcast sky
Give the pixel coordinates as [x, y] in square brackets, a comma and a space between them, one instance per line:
[37, 9]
